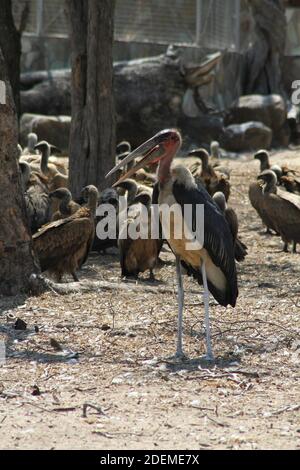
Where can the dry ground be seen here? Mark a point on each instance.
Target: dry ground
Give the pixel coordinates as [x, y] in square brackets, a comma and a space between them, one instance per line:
[114, 349]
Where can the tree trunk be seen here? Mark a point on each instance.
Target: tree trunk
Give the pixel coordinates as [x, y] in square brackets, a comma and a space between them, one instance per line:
[16, 254]
[10, 43]
[262, 72]
[92, 140]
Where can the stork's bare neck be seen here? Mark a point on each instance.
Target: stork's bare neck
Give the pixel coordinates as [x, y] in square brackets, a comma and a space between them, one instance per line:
[164, 169]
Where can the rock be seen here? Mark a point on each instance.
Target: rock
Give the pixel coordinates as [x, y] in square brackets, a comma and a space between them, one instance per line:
[54, 129]
[201, 130]
[268, 109]
[247, 136]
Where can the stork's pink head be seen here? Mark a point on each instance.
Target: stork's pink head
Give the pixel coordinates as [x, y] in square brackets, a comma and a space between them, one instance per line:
[160, 148]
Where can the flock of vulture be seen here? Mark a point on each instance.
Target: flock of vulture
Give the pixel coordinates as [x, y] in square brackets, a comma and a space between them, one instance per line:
[63, 230]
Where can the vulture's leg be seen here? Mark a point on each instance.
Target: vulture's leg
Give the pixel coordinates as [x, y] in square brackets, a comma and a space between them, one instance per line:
[179, 351]
[209, 353]
[75, 277]
[294, 247]
[151, 277]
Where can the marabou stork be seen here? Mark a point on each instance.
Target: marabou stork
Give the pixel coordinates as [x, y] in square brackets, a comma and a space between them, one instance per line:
[212, 262]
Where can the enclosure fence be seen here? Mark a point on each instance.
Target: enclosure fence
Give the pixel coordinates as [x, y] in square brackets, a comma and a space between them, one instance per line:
[205, 23]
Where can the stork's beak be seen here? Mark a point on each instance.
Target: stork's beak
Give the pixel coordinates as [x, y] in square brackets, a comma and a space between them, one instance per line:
[150, 151]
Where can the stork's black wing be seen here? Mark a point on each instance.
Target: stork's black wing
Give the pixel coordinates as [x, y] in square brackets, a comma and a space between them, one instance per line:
[217, 240]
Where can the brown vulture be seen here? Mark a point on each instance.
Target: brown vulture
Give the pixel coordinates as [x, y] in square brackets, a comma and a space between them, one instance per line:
[282, 208]
[213, 179]
[66, 206]
[138, 254]
[62, 246]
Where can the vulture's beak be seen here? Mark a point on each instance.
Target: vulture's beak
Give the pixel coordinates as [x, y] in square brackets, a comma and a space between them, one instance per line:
[151, 151]
[263, 180]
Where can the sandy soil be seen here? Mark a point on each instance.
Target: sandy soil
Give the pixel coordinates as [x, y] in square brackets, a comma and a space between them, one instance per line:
[109, 349]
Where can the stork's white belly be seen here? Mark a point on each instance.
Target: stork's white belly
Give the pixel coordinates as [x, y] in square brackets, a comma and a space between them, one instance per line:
[181, 244]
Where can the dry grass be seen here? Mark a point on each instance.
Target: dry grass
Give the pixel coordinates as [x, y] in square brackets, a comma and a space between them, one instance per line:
[108, 349]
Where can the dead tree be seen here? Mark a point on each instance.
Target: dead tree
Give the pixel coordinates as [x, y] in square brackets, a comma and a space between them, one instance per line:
[16, 256]
[92, 139]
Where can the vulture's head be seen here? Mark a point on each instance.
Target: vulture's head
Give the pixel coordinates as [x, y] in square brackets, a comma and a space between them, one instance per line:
[215, 149]
[89, 192]
[62, 194]
[263, 157]
[182, 175]
[200, 153]
[44, 147]
[269, 179]
[144, 198]
[277, 170]
[123, 147]
[32, 140]
[220, 200]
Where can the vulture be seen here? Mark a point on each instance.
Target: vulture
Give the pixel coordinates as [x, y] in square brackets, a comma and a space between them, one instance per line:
[107, 196]
[129, 187]
[282, 208]
[63, 245]
[215, 150]
[66, 206]
[32, 140]
[285, 176]
[290, 183]
[133, 189]
[240, 249]
[255, 194]
[213, 179]
[32, 156]
[263, 157]
[205, 247]
[38, 204]
[57, 177]
[138, 253]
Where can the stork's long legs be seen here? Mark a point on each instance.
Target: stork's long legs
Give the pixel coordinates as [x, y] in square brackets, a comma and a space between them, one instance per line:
[180, 293]
[209, 353]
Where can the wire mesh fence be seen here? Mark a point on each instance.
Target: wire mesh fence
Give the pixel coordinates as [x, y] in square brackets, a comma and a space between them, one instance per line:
[205, 23]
